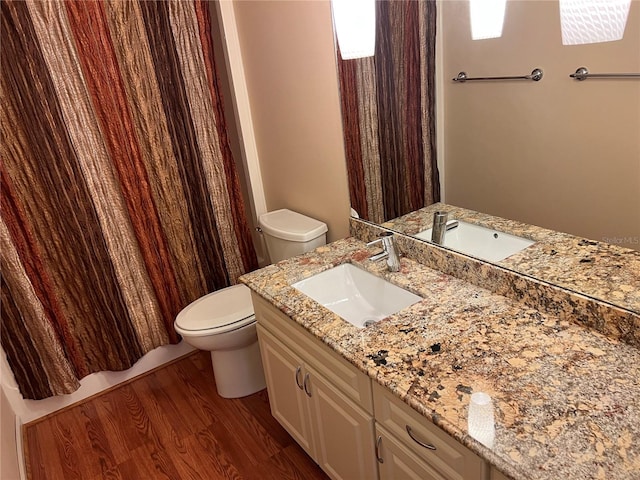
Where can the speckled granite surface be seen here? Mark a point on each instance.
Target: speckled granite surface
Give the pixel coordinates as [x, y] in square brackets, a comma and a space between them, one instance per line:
[565, 397]
[603, 271]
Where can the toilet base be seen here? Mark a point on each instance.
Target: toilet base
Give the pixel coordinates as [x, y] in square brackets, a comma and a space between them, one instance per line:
[238, 372]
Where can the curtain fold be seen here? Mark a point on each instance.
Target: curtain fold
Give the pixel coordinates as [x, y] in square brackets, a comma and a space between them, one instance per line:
[120, 198]
[388, 110]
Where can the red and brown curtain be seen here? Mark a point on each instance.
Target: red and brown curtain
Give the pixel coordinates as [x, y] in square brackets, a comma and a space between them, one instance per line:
[388, 111]
[120, 199]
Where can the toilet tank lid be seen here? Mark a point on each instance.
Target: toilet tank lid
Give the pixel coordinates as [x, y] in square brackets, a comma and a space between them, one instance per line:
[292, 226]
[217, 309]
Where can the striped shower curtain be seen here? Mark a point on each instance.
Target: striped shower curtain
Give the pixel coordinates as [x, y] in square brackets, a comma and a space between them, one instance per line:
[388, 112]
[120, 198]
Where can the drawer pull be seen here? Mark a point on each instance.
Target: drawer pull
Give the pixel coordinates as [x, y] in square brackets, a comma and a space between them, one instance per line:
[298, 371]
[422, 444]
[378, 445]
[306, 385]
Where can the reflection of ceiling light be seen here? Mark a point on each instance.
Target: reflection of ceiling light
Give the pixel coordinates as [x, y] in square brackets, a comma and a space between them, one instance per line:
[593, 21]
[487, 18]
[355, 24]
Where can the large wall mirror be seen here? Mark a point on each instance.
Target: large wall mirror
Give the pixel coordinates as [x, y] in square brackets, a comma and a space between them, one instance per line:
[559, 153]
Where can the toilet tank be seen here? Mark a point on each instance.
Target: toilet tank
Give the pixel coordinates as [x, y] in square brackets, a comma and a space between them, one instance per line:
[289, 233]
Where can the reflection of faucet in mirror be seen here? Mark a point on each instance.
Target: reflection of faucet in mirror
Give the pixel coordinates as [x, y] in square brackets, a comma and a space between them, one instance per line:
[388, 251]
[439, 227]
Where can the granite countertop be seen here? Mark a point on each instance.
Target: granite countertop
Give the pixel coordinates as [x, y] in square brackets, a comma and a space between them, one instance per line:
[565, 397]
[598, 269]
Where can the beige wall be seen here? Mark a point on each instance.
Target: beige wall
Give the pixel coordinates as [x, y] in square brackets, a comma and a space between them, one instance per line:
[289, 60]
[557, 153]
[230, 104]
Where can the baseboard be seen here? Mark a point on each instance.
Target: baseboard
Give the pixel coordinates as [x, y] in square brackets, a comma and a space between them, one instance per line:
[30, 410]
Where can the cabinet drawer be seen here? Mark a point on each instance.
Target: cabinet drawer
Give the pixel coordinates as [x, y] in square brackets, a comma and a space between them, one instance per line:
[452, 459]
[396, 461]
[351, 381]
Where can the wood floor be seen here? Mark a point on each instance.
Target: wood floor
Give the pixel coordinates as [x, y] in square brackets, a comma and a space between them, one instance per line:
[170, 424]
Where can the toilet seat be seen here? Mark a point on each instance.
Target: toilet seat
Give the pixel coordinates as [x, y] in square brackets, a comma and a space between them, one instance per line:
[217, 312]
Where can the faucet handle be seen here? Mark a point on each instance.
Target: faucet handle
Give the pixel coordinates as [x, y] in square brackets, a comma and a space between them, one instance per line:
[380, 239]
[388, 251]
[374, 242]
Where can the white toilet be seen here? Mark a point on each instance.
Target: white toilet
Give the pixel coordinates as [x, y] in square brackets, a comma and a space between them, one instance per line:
[223, 321]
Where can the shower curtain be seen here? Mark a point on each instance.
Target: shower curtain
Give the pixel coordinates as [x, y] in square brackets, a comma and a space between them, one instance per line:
[120, 200]
[388, 113]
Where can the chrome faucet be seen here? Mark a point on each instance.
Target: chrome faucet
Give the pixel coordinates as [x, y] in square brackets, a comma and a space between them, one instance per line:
[388, 251]
[439, 227]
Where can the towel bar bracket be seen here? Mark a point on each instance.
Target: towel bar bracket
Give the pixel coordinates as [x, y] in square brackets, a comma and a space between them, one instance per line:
[582, 73]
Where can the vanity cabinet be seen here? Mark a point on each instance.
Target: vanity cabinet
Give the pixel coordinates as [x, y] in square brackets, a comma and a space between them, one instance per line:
[328, 405]
[321, 400]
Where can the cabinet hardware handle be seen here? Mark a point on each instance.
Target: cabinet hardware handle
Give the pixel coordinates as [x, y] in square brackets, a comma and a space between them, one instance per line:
[298, 371]
[422, 444]
[306, 384]
[378, 445]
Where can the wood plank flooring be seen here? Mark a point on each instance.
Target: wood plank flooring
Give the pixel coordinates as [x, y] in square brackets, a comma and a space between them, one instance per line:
[169, 424]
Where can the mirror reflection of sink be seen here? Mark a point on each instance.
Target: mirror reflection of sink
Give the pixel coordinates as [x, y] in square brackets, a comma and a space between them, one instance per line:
[481, 242]
[357, 296]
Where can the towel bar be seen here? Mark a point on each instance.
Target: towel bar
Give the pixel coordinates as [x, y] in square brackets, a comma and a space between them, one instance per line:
[536, 75]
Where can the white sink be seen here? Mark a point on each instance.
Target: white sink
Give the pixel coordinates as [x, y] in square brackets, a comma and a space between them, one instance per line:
[356, 295]
[481, 242]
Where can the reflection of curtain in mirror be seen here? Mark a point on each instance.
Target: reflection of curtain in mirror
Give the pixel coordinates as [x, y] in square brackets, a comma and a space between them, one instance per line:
[388, 109]
[120, 201]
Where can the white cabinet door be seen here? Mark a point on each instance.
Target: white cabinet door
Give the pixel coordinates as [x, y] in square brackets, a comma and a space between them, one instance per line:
[284, 373]
[397, 462]
[343, 432]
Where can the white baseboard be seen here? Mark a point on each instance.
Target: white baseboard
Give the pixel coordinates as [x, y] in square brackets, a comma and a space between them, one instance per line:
[29, 410]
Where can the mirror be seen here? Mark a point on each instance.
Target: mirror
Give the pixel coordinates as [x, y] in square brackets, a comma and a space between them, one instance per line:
[560, 153]
[600, 270]
[388, 112]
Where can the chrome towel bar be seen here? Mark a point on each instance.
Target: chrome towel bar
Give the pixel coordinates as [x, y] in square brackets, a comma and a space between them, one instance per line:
[582, 74]
[536, 75]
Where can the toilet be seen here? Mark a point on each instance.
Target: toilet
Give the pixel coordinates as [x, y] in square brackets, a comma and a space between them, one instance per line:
[223, 322]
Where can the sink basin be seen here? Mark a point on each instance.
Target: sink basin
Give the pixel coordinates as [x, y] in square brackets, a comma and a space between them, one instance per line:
[356, 295]
[481, 242]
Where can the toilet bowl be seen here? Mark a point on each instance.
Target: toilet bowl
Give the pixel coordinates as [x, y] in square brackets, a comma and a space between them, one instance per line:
[223, 322]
